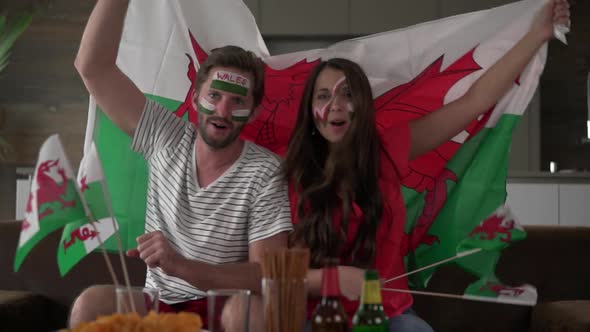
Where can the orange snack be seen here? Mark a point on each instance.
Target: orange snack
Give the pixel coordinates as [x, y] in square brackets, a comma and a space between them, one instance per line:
[153, 322]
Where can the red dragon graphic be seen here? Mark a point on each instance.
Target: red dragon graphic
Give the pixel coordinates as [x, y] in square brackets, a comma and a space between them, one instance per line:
[82, 234]
[423, 95]
[500, 289]
[49, 191]
[493, 227]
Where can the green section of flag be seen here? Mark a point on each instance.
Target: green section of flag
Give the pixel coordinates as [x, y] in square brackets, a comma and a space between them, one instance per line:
[95, 198]
[482, 287]
[72, 250]
[59, 217]
[481, 167]
[69, 256]
[126, 174]
[493, 239]
[229, 87]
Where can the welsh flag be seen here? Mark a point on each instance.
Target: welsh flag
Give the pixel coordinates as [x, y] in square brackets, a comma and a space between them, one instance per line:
[53, 199]
[491, 290]
[412, 71]
[494, 233]
[81, 237]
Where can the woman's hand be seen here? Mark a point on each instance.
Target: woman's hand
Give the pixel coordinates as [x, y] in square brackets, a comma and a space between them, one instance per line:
[351, 281]
[555, 12]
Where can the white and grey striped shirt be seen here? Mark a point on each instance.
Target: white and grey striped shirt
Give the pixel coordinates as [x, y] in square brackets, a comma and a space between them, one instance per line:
[249, 202]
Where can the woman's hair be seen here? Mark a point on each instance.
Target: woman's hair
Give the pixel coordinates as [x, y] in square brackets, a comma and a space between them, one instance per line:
[328, 176]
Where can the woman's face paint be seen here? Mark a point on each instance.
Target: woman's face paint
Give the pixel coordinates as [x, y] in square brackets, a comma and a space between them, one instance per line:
[324, 99]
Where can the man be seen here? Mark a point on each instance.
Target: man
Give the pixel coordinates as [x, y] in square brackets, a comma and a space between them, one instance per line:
[214, 201]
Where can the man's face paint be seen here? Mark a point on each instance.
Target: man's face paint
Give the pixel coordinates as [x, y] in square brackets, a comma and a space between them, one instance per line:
[228, 82]
[340, 89]
[205, 106]
[241, 115]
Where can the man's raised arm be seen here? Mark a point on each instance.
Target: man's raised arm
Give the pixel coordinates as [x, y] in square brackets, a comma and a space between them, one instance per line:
[114, 92]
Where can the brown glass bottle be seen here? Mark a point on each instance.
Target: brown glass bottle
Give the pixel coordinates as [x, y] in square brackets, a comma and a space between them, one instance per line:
[329, 315]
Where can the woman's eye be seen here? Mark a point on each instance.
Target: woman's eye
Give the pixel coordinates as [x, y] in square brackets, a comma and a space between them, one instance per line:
[346, 92]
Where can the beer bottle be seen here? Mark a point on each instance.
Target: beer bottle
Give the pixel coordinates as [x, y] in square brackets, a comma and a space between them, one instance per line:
[370, 316]
[329, 315]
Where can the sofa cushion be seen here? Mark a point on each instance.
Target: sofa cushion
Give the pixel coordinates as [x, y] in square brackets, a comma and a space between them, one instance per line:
[10, 296]
[25, 311]
[561, 316]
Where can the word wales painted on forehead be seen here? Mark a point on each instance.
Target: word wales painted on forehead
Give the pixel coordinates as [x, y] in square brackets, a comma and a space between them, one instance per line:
[321, 113]
[230, 82]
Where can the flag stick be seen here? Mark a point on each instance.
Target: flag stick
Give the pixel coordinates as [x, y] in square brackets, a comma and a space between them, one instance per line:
[459, 255]
[118, 235]
[463, 297]
[100, 241]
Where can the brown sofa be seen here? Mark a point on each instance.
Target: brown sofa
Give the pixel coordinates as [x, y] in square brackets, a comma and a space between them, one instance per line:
[554, 259]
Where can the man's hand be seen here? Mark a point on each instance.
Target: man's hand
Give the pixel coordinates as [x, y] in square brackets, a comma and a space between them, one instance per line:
[351, 281]
[155, 250]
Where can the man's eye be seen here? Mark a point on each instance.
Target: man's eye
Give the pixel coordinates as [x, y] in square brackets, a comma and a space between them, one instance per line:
[213, 95]
[240, 101]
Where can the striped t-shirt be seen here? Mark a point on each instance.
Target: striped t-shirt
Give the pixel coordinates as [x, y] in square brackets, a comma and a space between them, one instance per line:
[249, 202]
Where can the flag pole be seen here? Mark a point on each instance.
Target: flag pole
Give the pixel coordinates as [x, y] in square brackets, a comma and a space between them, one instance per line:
[459, 255]
[91, 220]
[118, 235]
[462, 297]
[108, 201]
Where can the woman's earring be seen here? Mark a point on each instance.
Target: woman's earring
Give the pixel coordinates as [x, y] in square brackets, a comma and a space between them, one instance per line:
[313, 131]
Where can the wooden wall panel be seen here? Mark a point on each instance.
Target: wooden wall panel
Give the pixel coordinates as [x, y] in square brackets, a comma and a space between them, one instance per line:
[40, 91]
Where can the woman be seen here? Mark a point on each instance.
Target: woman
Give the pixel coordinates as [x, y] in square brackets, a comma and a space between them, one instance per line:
[344, 172]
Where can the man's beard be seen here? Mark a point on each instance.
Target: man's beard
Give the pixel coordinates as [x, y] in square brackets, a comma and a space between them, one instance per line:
[217, 144]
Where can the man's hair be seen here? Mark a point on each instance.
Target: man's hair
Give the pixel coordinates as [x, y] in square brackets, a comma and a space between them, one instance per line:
[235, 57]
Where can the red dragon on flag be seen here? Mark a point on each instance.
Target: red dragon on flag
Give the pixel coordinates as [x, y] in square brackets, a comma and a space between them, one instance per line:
[424, 94]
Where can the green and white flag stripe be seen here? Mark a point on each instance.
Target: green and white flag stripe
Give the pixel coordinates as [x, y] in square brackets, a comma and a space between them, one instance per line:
[81, 238]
